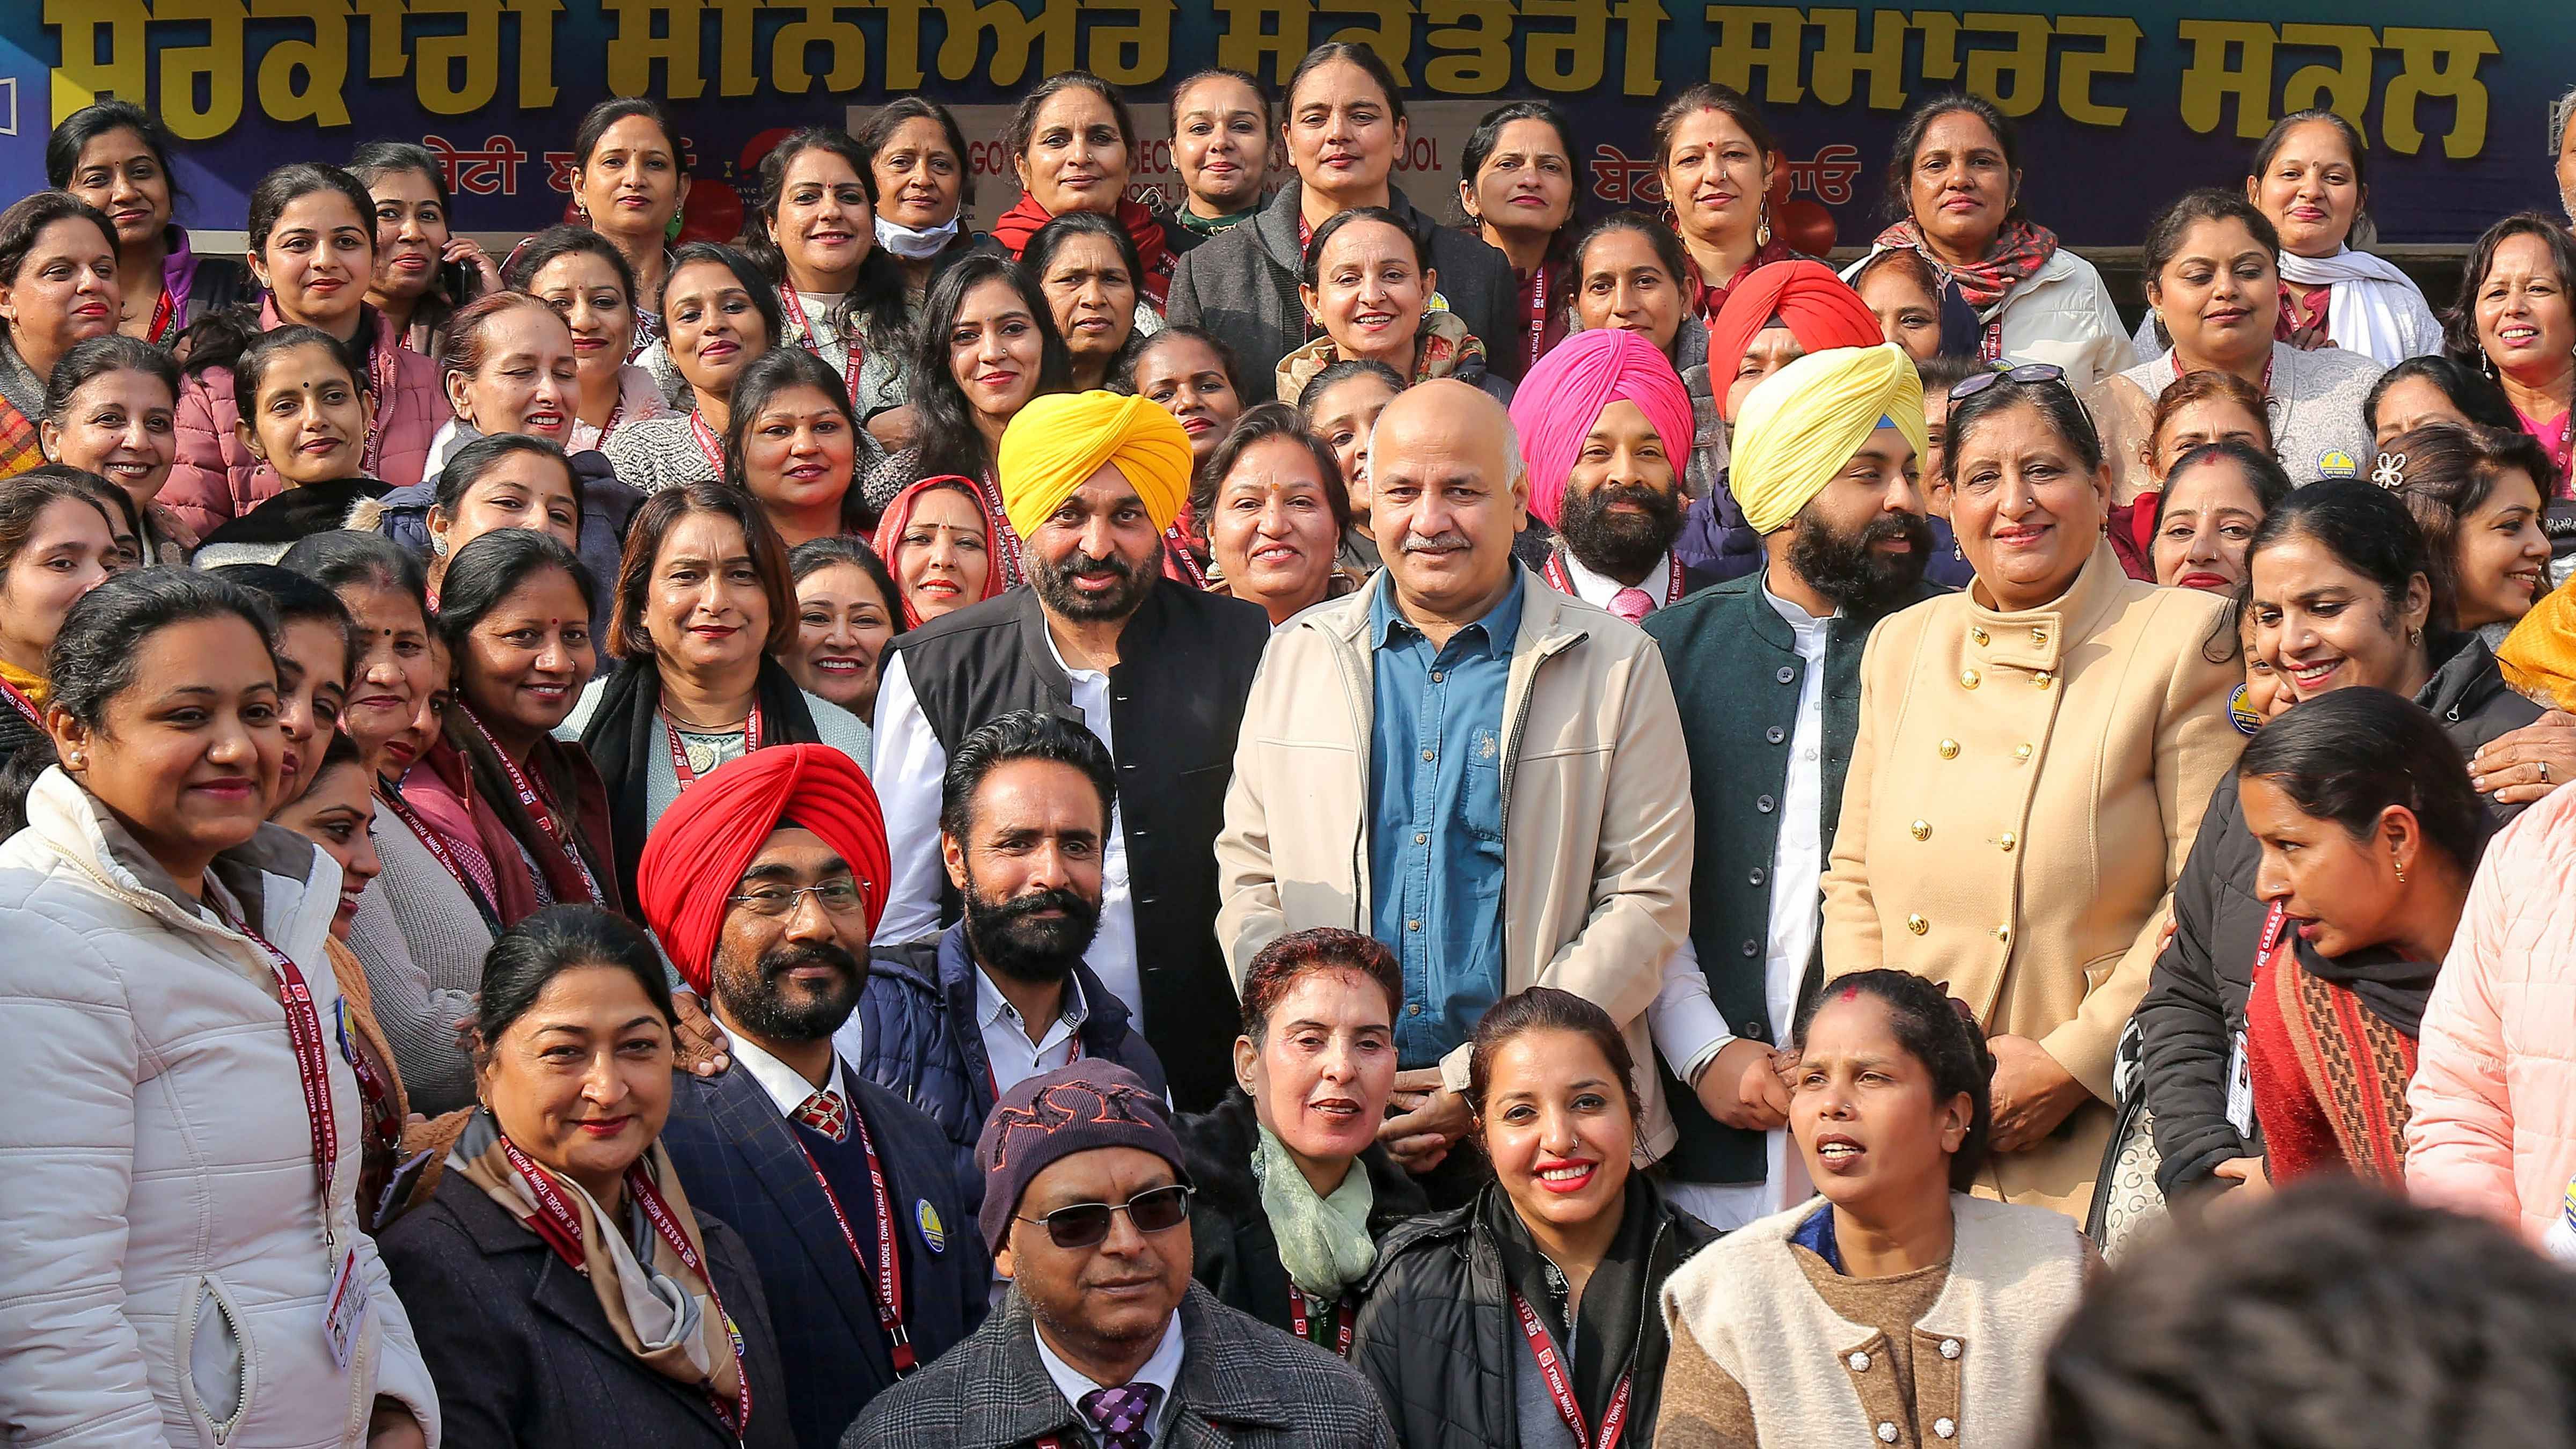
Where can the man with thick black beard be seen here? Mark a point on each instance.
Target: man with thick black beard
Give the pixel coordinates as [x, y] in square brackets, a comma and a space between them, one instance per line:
[1156, 670]
[1766, 669]
[761, 884]
[956, 1021]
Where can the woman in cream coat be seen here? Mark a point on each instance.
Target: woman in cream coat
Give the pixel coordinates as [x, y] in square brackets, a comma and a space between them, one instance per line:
[2032, 761]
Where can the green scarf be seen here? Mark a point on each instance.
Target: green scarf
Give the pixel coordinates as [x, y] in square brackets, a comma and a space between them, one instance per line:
[1211, 225]
[1324, 1242]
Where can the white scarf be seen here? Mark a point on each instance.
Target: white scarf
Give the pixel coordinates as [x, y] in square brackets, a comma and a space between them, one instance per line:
[913, 244]
[2374, 308]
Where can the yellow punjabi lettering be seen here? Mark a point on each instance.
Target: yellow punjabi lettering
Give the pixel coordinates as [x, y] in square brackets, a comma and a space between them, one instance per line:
[1940, 32]
[2441, 64]
[1643, 22]
[2016, 80]
[218, 62]
[1477, 38]
[1015, 34]
[2343, 87]
[736, 73]
[387, 56]
[2210, 80]
[455, 74]
[323, 62]
[536, 51]
[1841, 59]
[633, 48]
[1257, 28]
[844, 43]
[1391, 37]
[1747, 38]
[82, 77]
[2078, 69]
[1131, 55]
[903, 44]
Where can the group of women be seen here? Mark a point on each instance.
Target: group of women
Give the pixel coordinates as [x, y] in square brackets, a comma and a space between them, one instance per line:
[495, 559]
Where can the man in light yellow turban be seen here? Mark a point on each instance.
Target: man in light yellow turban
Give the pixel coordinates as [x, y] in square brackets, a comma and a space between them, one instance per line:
[1060, 442]
[1765, 669]
[1154, 668]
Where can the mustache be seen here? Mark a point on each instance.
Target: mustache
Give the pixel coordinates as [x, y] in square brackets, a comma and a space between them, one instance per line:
[780, 960]
[1436, 543]
[1074, 906]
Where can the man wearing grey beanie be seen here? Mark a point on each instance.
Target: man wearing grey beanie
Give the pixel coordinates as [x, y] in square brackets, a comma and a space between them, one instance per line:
[1104, 1341]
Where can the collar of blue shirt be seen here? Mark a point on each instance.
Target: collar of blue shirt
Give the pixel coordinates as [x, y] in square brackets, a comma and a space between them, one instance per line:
[1495, 633]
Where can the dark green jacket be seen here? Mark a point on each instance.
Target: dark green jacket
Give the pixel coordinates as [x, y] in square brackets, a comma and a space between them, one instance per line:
[1737, 676]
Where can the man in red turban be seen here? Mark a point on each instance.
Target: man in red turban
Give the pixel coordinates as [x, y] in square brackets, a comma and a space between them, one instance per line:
[1776, 315]
[764, 883]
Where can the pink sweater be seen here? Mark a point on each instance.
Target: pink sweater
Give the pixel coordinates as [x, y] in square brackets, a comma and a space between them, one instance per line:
[2493, 1130]
[216, 478]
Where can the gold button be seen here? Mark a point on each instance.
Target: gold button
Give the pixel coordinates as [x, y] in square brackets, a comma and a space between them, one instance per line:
[1977, 634]
[2039, 636]
[1917, 924]
[2021, 752]
[2008, 841]
[2004, 934]
[1967, 679]
[1949, 749]
[2043, 679]
[1923, 830]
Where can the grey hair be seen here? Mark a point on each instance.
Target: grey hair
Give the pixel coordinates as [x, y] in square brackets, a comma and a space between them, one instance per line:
[2561, 112]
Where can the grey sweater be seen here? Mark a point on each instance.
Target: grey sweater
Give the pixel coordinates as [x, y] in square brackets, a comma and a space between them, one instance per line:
[1241, 284]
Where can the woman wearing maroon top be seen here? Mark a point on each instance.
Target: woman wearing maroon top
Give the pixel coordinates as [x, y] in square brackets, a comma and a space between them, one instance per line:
[1715, 159]
[2370, 832]
[1518, 193]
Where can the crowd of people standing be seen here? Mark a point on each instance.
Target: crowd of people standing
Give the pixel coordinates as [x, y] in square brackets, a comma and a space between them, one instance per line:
[1278, 823]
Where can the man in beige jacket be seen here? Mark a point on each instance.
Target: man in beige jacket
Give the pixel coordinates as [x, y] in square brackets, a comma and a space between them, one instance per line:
[1485, 774]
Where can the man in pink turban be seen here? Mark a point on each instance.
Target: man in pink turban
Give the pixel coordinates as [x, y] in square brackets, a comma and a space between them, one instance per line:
[1605, 432]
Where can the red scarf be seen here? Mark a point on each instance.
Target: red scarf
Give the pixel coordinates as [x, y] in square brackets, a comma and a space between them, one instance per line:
[1708, 298]
[2020, 250]
[1144, 228]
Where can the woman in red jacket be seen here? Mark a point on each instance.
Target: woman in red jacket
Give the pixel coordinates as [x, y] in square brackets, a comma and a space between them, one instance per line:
[312, 234]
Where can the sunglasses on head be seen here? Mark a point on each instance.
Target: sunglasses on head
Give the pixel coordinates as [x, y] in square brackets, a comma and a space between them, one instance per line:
[1085, 1224]
[2028, 374]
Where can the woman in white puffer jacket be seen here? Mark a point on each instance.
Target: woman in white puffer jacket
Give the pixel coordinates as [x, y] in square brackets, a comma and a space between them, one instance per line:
[168, 1254]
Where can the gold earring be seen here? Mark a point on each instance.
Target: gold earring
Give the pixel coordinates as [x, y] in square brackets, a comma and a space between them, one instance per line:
[2400, 865]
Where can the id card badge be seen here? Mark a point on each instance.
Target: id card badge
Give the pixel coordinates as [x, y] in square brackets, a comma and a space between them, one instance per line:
[2240, 1090]
[348, 1310]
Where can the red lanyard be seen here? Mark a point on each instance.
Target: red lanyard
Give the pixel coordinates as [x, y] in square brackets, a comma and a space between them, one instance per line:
[708, 443]
[1552, 1369]
[1181, 555]
[616, 410]
[854, 357]
[1537, 315]
[392, 800]
[386, 373]
[24, 705]
[2273, 946]
[163, 310]
[304, 1034]
[1554, 572]
[887, 1284]
[538, 807]
[680, 765]
[1345, 1313]
[1006, 539]
[560, 1226]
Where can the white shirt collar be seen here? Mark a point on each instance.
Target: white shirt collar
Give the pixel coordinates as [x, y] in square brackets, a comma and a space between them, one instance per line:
[1598, 589]
[1163, 1371]
[1796, 615]
[1047, 632]
[992, 1008]
[785, 1085]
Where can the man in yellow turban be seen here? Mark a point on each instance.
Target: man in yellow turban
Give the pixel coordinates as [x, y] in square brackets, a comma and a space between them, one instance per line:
[1155, 668]
[1766, 669]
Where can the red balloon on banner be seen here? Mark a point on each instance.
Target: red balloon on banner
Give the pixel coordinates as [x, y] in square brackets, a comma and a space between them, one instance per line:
[1805, 225]
[713, 212]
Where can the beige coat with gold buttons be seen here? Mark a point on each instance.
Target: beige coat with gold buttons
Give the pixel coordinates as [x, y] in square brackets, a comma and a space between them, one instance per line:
[2023, 791]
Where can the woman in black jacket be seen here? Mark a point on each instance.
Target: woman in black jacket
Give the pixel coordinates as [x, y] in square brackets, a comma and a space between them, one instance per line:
[1295, 1194]
[2341, 596]
[1533, 1312]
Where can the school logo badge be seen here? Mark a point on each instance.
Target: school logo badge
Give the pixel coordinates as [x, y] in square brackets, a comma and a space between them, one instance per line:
[934, 1234]
[2240, 712]
[2336, 463]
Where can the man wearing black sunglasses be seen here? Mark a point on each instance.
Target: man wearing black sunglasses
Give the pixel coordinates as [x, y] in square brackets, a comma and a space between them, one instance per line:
[1104, 1340]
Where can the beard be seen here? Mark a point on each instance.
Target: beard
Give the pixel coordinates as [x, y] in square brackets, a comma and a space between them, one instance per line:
[1053, 579]
[1012, 938]
[761, 1002]
[1621, 545]
[1848, 568]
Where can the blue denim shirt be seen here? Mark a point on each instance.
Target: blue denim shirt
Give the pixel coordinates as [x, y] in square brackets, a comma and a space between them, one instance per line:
[1436, 818]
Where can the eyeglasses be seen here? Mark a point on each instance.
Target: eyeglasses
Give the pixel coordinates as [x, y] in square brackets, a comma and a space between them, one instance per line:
[1083, 1225]
[2026, 375]
[841, 895]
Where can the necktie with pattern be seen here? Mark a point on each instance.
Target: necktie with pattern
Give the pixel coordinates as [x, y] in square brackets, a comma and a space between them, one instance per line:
[826, 1113]
[1632, 604]
[1120, 1414]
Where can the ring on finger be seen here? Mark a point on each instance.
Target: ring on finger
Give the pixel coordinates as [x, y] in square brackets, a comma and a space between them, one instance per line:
[2544, 772]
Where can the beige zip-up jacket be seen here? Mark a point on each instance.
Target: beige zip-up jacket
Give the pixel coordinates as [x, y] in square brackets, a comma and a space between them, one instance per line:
[1596, 809]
